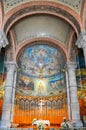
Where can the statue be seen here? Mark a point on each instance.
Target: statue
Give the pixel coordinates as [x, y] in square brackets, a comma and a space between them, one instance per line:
[65, 124]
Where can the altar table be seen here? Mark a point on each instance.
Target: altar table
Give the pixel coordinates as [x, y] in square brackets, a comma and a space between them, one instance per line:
[46, 122]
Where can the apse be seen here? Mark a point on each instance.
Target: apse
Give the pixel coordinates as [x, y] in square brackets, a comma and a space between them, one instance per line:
[41, 88]
[41, 71]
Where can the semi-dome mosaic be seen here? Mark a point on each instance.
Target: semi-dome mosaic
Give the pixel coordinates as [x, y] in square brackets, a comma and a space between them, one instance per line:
[40, 71]
[41, 59]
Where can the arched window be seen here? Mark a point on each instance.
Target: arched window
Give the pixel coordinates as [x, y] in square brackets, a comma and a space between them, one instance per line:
[53, 104]
[59, 104]
[26, 105]
[21, 106]
[49, 104]
[32, 104]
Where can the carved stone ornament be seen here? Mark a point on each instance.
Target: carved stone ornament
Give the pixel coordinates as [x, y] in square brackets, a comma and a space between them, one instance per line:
[81, 41]
[11, 65]
[71, 65]
[3, 39]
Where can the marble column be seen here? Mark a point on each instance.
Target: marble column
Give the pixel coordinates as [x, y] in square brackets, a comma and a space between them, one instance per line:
[3, 39]
[81, 43]
[9, 94]
[74, 105]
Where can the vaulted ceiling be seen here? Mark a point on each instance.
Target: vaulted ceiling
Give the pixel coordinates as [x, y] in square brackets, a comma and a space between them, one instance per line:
[42, 36]
[42, 26]
[57, 21]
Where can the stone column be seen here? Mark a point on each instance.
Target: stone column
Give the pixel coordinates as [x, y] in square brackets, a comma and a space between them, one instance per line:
[3, 39]
[13, 95]
[9, 94]
[81, 43]
[68, 96]
[74, 105]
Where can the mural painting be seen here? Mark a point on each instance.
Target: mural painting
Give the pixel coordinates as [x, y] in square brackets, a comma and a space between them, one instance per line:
[40, 72]
[39, 87]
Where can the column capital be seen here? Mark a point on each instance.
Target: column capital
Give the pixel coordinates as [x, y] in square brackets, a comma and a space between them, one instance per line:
[72, 65]
[81, 41]
[3, 39]
[11, 65]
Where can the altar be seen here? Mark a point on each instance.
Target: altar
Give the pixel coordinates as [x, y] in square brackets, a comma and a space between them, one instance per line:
[37, 122]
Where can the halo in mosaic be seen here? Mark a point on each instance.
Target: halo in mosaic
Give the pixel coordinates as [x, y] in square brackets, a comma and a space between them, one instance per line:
[74, 4]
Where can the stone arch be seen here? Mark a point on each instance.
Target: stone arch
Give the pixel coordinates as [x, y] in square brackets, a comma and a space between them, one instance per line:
[83, 15]
[49, 41]
[52, 8]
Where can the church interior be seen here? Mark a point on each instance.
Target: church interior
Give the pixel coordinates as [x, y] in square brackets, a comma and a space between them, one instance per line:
[42, 62]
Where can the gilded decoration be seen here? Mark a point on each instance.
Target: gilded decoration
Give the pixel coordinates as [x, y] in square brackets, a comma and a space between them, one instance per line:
[74, 4]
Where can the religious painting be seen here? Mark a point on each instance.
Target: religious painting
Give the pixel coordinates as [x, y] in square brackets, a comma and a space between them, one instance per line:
[25, 85]
[41, 71]
[41, 60]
